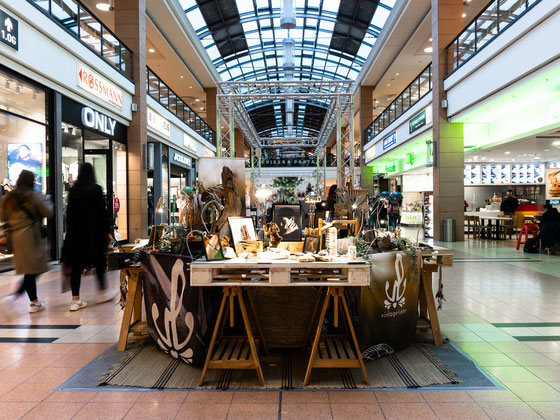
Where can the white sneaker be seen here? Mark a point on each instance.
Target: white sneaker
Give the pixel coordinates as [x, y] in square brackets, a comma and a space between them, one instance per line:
[107, 295]
[36, 307]
[78, 304]
[7, 308]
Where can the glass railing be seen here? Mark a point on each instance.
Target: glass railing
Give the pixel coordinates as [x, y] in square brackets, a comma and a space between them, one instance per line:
[495, 18]
[158, 90]
[79, 21]
[402, 103]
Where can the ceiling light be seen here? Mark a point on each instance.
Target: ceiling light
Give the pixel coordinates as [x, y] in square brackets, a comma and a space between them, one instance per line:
[546, 150]
[202, 109]
[464, 15]
[388, 84]
[428, 50]
[151, 50]
[513, 160]
[396, 74]
[507, 153]
[431, 39]
[181, 76]
[492, 160]
[190, 87]
[105, 6]
[483, 158]
[197, 100]
[554, 143]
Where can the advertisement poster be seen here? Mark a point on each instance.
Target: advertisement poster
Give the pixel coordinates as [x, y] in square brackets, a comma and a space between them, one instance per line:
[552, 184]
[25, 156]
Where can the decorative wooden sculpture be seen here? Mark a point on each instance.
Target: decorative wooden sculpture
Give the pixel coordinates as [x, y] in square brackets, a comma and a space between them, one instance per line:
[272, 230]
[232, 202]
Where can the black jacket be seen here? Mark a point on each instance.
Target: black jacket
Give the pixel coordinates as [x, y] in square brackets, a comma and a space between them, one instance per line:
[549, 216]
[87, 226]
[509, 204]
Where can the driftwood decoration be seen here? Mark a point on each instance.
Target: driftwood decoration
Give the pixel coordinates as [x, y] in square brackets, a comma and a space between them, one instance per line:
[272, 230]
[232, 202]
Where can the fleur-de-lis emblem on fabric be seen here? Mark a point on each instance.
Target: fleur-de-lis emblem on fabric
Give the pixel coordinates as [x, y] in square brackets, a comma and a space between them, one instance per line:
[169, 340]
[396, 298]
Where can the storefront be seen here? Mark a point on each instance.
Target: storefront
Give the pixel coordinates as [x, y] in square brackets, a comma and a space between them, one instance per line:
[172, 160]
[88, 135]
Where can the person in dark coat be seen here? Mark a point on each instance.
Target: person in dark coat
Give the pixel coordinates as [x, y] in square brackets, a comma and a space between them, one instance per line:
[551, 215]
[23, 211]
[509, 204]
[87, 234]
[331, 200]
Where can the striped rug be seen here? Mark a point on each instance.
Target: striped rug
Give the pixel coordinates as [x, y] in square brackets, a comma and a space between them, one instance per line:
[148, 367]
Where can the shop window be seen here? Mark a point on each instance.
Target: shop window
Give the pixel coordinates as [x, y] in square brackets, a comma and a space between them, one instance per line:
[23, 131]
[120, 195]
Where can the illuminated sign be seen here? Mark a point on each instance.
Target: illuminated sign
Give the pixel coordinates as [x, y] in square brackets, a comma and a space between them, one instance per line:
[409, 159]
[391, 167]
[390, 140]
[209, 153]
[158, 123]
[98, 121]
[98, 86]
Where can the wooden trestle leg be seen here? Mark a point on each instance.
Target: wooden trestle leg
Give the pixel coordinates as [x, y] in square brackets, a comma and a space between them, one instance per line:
[335, 351]
[233, 353]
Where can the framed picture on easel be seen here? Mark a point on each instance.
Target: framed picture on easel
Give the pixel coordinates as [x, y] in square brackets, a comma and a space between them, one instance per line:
[288, 219]
[242, 229]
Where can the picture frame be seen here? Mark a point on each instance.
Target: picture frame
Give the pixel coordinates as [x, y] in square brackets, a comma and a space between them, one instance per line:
[312, 243]
[242, 229]
[288, 219]
[213, 247]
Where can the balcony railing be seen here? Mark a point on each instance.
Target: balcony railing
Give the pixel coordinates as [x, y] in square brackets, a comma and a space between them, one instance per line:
[495, 18]
[81, 23]
[402, 103]
[158, 90]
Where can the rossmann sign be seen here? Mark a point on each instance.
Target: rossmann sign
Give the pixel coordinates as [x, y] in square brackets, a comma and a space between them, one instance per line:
[100, 87]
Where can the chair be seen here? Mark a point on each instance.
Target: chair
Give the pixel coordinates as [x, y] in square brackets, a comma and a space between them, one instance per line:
[508, 228]
[481, 229]
[469, 225]
[525, 230]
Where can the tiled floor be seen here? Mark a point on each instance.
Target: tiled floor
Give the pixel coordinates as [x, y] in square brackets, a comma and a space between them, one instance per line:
[490, 306]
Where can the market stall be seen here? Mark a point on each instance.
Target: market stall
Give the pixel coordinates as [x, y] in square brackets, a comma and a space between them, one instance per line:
[223, 296]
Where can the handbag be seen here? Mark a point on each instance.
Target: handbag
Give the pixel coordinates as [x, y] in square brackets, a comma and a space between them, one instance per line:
[35, 218]
[6, 239]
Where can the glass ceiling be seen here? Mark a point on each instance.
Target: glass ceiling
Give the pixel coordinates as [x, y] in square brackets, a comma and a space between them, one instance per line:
[243, 38]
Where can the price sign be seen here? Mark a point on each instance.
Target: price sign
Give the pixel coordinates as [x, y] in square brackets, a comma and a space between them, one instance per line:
[8, 30]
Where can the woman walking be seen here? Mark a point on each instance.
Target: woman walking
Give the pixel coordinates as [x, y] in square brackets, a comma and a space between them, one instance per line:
[23, 211]
[87, 234]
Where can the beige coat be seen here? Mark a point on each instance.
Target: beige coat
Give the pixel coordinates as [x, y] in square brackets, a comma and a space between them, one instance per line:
[28, 247]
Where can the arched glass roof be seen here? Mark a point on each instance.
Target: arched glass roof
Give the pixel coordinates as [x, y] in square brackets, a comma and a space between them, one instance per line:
[244, 41]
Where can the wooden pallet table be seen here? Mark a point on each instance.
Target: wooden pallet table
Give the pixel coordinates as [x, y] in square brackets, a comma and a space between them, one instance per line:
[236, 275]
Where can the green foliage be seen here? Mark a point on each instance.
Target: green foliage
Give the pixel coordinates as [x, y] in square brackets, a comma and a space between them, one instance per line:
[286, 186]
[409, 248]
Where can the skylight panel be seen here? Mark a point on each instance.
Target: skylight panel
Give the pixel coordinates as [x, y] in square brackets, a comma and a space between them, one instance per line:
[314, 3]
[364, 50]
[234, 72]
[250, 26]
[196, 19]
[244, 6]
[380, 17]
[187, 4]
[261, 4]
[331, 5]
[253, 39]
[213, 52]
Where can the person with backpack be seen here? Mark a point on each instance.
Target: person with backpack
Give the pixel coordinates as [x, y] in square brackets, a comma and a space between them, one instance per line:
[22, 211]
[88, 230]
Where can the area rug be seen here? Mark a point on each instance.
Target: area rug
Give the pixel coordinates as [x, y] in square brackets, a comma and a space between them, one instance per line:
[147, 367]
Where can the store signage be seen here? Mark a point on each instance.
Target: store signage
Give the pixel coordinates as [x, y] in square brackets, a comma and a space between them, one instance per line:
[370, 154]
[9, 30]
[505, 174]
[98, 86]
[391, 167]
[420, 120]
[181, 159]
[409, 159]
[98, 121]
[158, 123]
[189, 142]
[209, 153]
[390, 140]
